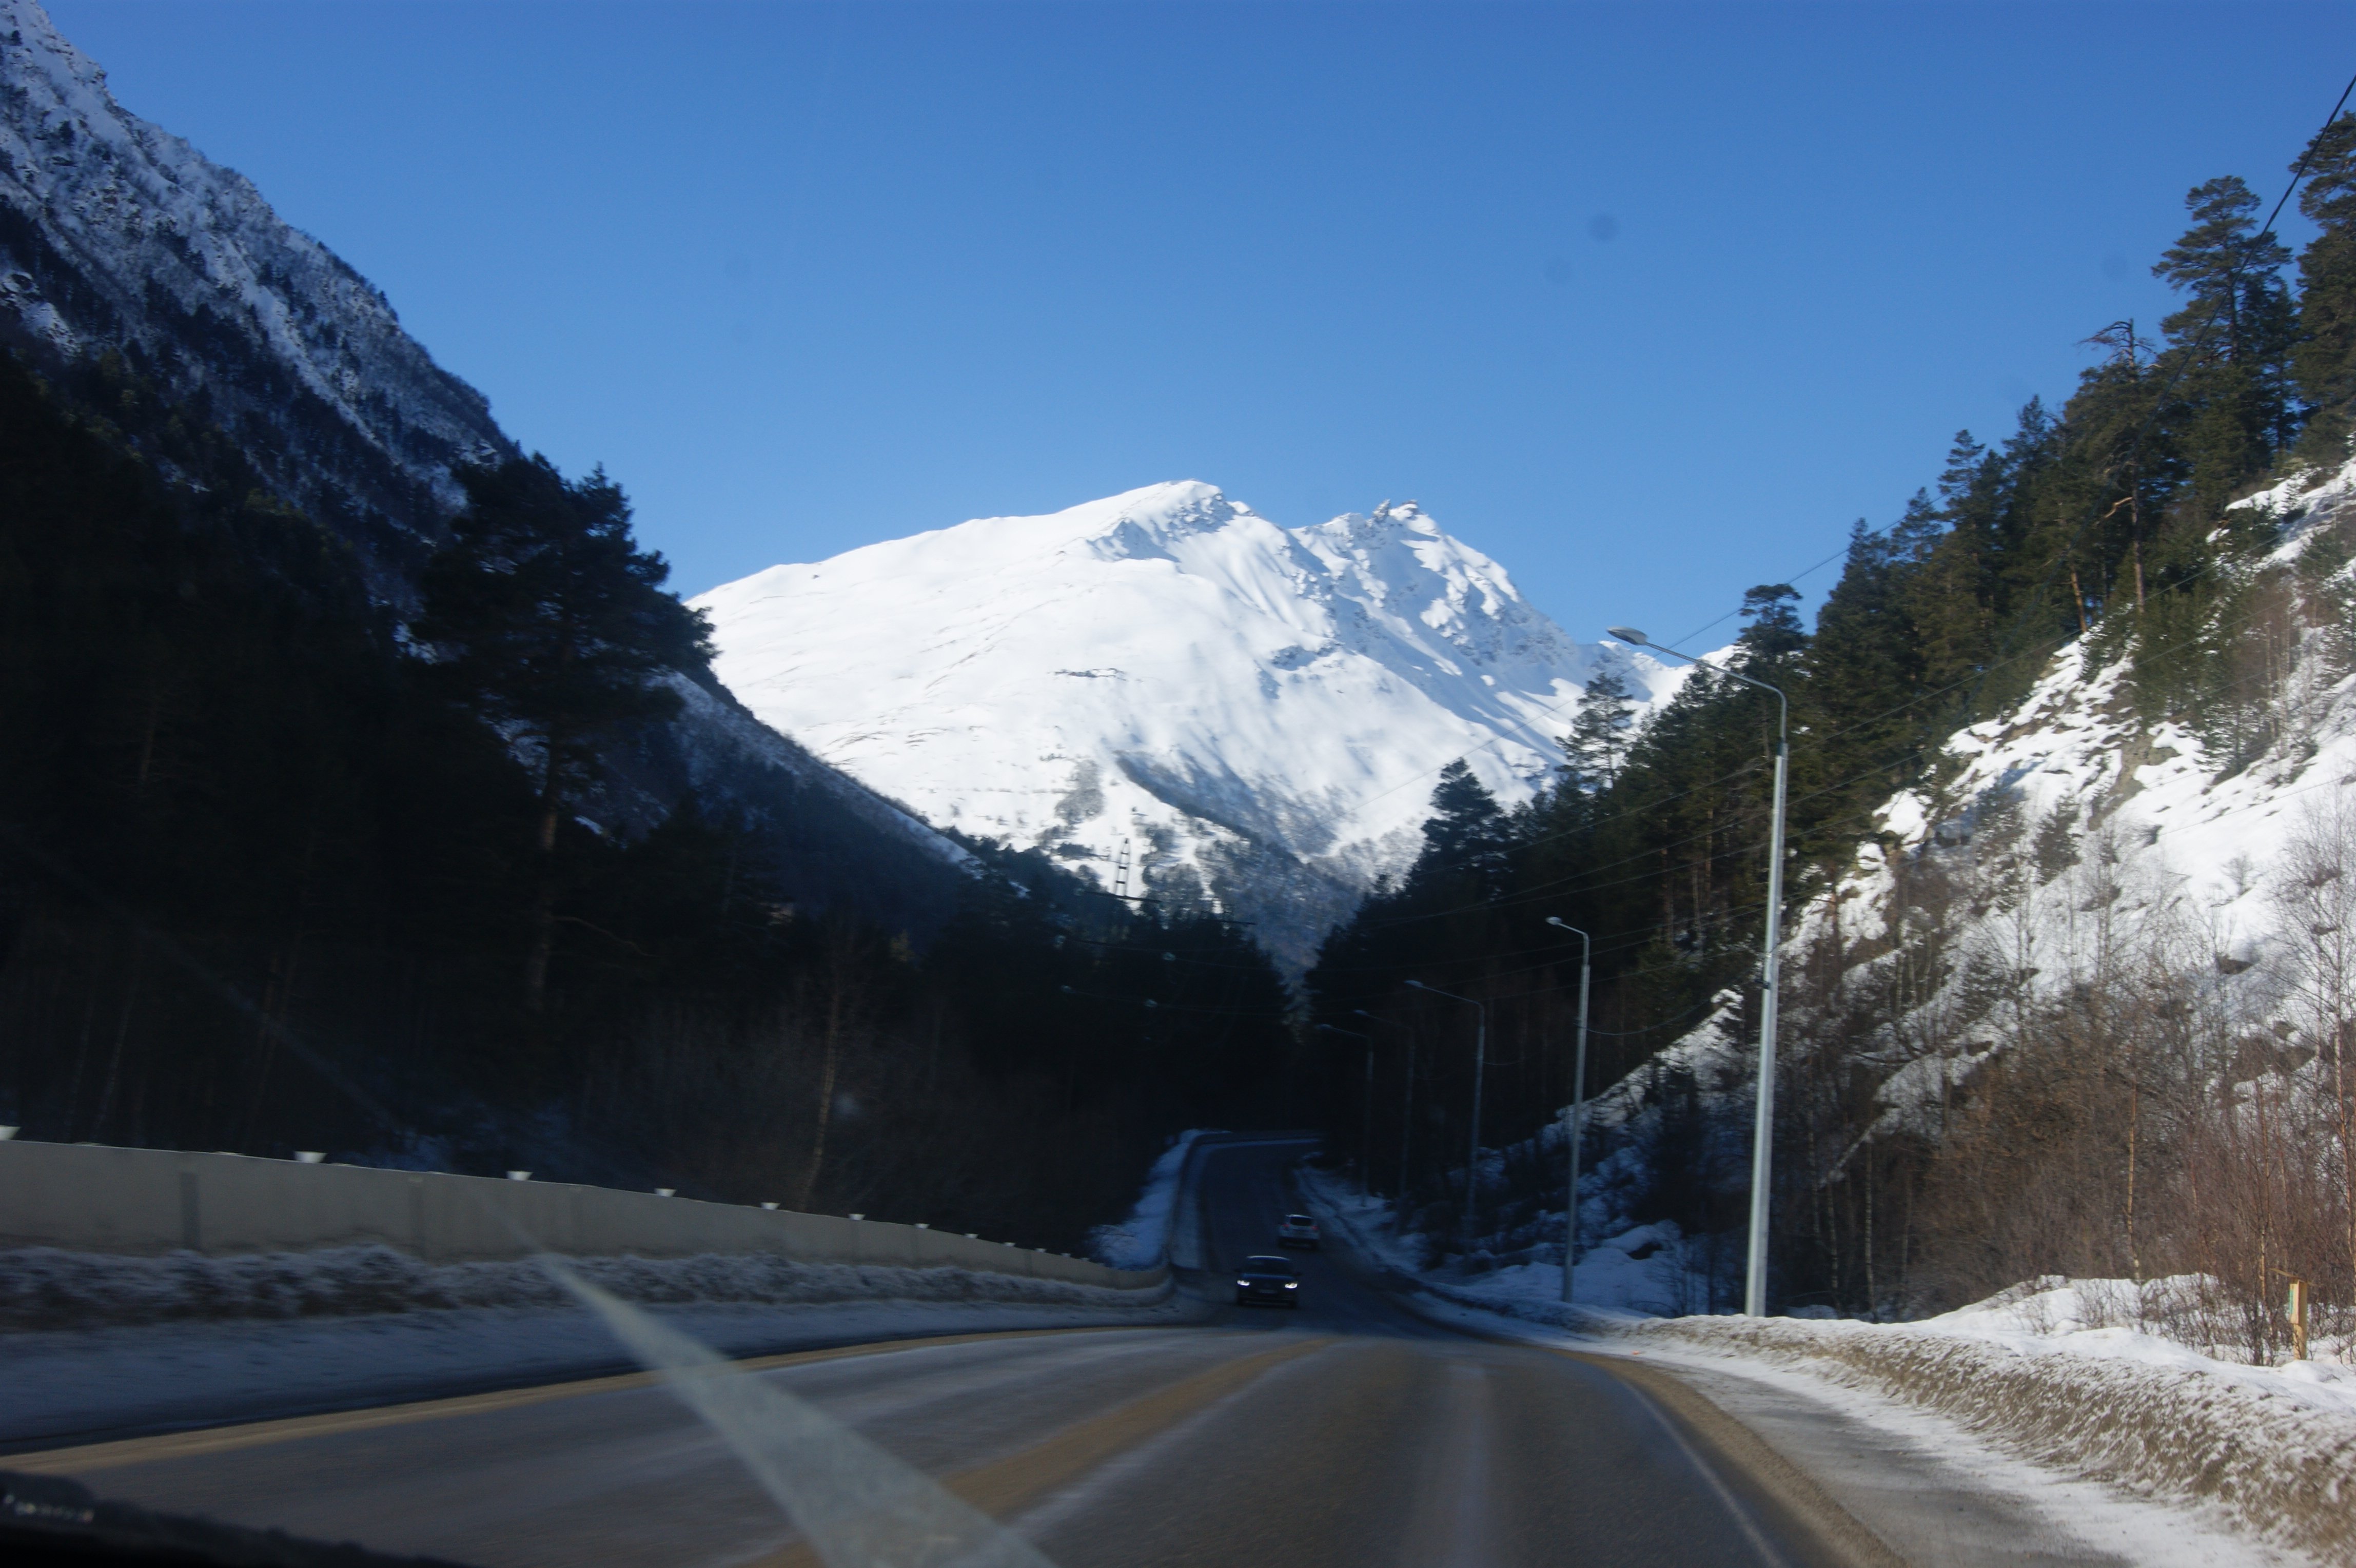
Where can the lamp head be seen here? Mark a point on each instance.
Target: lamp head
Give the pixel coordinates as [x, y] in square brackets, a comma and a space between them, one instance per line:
[1628, 634]
[1418, 985]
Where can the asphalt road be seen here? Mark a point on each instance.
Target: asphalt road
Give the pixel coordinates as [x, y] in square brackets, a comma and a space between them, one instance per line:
[1347, 1432]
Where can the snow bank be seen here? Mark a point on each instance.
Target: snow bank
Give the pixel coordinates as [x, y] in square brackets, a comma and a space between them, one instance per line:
[1143, 1239]
[2277, 1454]
[1643, 1271]
[43, 1287]
[2148, 1323]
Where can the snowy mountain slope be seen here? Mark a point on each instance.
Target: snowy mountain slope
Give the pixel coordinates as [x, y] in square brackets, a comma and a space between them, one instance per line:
[2071, 850]
[1255, 714]
[2149, 837]
[115, 234]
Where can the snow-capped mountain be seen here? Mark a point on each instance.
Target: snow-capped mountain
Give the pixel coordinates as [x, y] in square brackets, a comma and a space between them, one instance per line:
[1241, 711]
[116, 235]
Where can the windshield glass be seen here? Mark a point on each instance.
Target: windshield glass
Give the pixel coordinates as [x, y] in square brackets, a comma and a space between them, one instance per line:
[725, 728]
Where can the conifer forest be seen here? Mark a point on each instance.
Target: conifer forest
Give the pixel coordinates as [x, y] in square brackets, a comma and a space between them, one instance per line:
[2108, 1137]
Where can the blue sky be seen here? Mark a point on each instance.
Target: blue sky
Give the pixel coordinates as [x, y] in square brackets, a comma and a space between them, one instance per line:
[1646, 301]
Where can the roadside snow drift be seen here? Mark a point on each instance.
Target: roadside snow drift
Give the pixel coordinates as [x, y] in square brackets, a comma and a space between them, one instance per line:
[43, 1287]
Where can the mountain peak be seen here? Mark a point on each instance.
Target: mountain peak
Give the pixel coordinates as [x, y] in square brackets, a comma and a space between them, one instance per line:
[1149, 520]
[1254, 715]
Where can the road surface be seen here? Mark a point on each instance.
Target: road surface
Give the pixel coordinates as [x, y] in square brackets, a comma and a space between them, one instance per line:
[1349, 1434]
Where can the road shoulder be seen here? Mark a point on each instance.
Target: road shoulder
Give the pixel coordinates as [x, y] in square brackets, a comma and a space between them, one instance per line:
[1875, 1481]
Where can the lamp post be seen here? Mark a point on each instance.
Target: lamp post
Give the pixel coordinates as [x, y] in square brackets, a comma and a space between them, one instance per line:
[1366, 1108]
[1578, 1106]
[1755, 1275]
[1406, 1107]
[1480, 1060]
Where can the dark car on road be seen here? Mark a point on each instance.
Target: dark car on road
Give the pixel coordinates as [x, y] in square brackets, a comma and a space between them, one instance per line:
[1269, 1279]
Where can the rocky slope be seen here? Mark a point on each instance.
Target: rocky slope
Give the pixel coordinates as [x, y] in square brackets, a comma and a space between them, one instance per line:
[118, 237]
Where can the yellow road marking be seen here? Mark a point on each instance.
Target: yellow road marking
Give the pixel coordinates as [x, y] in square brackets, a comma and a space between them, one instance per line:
[1004, 1487]
[254, 1435]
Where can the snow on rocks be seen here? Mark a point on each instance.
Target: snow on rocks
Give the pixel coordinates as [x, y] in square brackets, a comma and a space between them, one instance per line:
[126, 237]
[2073, 832]
[1255, 714]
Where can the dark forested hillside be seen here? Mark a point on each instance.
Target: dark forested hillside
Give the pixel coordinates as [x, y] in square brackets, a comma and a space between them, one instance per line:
[276, 873]
[2106, 519]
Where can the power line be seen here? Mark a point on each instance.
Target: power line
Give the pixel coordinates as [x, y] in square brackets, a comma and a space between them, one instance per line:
[2184, 362]
[1787, 581]
[2187, 357]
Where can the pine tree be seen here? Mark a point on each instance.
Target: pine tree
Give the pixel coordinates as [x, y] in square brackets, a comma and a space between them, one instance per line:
[1864, 666]
[2230, 273]
[2234, 335]
[1776, 634]
[2325, 358]
[1466, 823]
[544, 619]
[1599, 733]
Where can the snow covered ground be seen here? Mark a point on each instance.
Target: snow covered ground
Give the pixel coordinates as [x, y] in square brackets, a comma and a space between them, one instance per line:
[2136, 1448]
[156, 1343]
[1141, 1239]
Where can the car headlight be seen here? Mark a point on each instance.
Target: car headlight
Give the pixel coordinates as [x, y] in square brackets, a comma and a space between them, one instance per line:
[1292, 1284]
[1243, 1284]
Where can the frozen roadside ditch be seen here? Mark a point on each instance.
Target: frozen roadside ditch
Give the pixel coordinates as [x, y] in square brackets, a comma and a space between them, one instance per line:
[94, 1345]
[2157, 1439]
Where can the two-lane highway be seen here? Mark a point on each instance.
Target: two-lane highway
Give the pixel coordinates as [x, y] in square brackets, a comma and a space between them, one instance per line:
[1347, 1435]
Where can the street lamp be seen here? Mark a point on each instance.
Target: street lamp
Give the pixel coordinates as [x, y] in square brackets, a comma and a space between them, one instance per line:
[1480, 1060]
[1366, 1109]
[1407, 1108]
[1755, 1276]
[1577, 1105]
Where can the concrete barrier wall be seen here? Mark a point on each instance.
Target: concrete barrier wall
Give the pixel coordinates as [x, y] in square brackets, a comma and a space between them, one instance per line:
[146, 1202]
